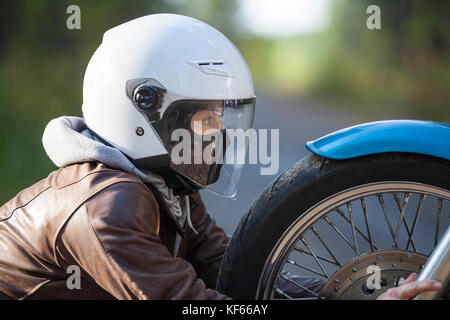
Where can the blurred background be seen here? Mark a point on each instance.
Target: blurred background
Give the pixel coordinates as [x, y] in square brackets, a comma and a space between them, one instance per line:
[316, 66]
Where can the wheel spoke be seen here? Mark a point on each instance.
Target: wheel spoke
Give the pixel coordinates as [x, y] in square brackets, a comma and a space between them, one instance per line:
[416, 217]
[355, 242]
[381, 200]
[342, 214]
[318, 257]
[328, 220]
[363, 205]
[314, 230]
[315, 257]
[278, 290]
[402, 215]
[438, 223]
[397, 200]
[284, 294]
[295, 263]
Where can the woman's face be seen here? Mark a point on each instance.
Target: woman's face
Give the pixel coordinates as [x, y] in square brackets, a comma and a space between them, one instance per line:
[210, 120]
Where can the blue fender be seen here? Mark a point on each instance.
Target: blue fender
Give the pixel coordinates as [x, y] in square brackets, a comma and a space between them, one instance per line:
[413, 136]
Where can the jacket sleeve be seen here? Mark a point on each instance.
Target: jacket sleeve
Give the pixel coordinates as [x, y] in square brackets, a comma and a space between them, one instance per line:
[114, 238]
[205, 250]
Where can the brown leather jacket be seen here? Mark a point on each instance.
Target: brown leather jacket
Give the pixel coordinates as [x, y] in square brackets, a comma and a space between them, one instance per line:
[111, 225]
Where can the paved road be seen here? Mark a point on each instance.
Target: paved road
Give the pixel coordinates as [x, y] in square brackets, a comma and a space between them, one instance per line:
[299, 120]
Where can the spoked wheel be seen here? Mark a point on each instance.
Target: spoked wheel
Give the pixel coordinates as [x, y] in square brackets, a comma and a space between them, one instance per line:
[327, 229]
[369, 225]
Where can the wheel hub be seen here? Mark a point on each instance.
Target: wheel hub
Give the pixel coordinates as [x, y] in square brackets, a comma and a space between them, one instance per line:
[355, 279]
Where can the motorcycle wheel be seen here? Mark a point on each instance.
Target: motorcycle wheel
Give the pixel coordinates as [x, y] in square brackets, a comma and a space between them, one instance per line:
[332, 220]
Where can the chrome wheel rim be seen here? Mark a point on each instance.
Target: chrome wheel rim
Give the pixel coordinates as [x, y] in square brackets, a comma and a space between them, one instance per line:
[401, 216]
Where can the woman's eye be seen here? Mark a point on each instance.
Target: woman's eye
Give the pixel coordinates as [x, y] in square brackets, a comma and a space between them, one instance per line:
[208, 119]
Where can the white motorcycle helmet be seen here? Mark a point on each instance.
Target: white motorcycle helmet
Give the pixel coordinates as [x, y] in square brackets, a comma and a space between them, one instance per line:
[162, 72]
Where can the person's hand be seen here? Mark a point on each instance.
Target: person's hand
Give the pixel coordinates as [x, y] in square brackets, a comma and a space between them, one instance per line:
[410, 288]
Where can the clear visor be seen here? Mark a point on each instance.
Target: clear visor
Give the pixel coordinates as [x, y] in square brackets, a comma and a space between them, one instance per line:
[207, 141]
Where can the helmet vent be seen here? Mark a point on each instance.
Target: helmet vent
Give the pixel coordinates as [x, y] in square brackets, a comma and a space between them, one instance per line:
[216, 67]
[208, 63]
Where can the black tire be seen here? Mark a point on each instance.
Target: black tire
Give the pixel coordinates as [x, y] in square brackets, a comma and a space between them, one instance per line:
[308, 182]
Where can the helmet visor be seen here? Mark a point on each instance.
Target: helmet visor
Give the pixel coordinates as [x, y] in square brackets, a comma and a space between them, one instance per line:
[205, 143]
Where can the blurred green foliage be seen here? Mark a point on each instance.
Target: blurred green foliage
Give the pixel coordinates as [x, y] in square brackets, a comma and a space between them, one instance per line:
[403, 66]
[42, 63]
